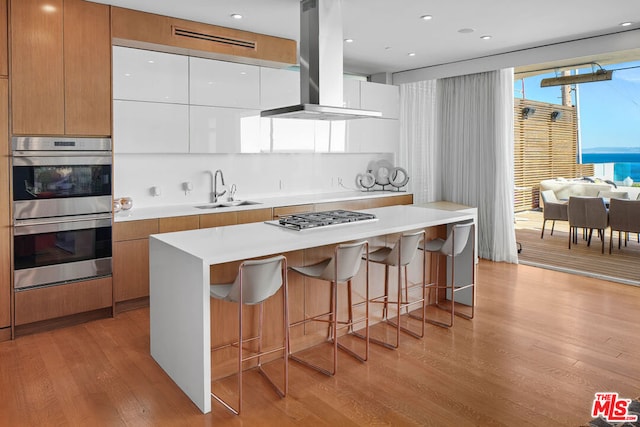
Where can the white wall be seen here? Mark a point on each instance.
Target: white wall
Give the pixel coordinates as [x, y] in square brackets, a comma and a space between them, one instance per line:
[255, 175]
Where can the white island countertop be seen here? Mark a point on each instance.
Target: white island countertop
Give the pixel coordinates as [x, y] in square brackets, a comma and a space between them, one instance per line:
[266, 202]
[238, 242]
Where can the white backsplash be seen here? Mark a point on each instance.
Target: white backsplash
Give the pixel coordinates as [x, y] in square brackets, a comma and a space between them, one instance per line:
[255, 175]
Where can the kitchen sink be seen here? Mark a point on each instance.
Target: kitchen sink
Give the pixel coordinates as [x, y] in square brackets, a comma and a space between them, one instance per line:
[228, 204]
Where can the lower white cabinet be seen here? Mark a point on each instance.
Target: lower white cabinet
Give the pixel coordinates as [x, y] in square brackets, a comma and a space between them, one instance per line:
[149, 127]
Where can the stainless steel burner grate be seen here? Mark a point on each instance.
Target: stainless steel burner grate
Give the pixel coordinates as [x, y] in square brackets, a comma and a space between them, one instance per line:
[305, 221]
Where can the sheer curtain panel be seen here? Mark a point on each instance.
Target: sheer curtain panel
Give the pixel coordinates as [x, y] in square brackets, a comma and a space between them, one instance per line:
[419, 152]
[475, 133]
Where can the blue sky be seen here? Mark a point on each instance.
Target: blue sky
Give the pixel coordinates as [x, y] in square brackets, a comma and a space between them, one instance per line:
[609, 110]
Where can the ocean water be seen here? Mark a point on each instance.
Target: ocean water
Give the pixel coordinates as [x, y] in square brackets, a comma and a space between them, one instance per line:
[625, 164]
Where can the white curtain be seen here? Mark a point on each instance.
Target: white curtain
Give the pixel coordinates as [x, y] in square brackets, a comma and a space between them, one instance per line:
[419, 152]
[475, 131]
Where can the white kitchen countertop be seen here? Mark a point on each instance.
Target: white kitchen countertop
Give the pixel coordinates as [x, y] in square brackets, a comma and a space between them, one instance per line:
[270, 202]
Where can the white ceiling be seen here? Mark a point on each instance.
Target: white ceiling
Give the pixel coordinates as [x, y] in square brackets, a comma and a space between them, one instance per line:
[385, 31]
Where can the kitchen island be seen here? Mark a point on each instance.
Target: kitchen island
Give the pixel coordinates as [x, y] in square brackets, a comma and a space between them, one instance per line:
[180, 328]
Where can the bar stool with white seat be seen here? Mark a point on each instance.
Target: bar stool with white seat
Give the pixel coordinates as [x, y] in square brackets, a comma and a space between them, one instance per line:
[257, 281]
[453, 246]
[341, 268]
[400, 255]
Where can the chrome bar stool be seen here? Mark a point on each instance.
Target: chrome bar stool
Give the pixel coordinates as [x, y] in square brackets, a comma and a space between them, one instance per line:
[341, 268]
[453, 246]
[257, 281]
[400, 255]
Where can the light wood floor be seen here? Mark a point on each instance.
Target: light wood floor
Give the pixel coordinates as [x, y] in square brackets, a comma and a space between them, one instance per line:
[541, 345]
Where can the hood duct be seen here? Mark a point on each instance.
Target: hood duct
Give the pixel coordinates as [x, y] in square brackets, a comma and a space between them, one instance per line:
[321, 69]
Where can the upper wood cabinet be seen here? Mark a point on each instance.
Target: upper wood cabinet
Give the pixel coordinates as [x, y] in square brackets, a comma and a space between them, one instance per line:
[60, 68]
[5, 219]
[157, 32]
[4, 63]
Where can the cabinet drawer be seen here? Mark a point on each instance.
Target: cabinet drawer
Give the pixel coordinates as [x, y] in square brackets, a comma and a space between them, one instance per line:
[256, 215]
[218, 219]
[62, 300]
[178, 223]
[288, 210]
[131, 230]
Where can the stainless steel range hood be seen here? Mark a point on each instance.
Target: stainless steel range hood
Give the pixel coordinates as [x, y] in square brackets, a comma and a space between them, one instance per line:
[321, 69]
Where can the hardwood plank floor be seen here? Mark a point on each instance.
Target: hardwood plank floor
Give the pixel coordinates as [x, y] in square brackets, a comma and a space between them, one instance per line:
[542, 343]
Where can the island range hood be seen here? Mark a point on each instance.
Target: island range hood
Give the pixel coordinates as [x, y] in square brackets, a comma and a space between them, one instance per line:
[321, 69]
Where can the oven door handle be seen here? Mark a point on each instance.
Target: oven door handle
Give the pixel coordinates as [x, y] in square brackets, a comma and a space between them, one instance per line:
[69, 223]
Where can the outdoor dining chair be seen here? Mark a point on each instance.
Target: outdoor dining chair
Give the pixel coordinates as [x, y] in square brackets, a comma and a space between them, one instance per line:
[589, 213]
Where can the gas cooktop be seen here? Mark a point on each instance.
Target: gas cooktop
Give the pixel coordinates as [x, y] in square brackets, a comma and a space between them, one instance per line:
[305, 221]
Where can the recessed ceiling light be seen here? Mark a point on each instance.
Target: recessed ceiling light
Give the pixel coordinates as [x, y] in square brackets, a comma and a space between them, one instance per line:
[426, 17]
[626, 24]
[466, 30]
[485, 37]
[151, 61]
[127, 74]
[348, 40]
[236, 16]
[412, 54]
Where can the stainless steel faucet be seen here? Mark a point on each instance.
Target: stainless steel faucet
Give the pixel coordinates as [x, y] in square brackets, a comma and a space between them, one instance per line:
[214, 185]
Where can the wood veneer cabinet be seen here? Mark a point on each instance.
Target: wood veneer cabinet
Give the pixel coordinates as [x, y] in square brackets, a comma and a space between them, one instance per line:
[401, 199]
[4, 59]
[131, 258]
[131, 238]
[57, 301]
[131, 245]
[60, 67]
[156, 32]
[5, 220]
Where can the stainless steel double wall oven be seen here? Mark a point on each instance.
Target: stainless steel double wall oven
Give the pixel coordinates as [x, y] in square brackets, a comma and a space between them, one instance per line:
[62, 207]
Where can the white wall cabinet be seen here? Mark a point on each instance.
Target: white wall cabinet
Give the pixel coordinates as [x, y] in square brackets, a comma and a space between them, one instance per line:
[223, 130]
[143, 75]
[380, 97]
[150, 127]
[165, 103]
[373, 136]
[223, 84]
[351, 93]
[279, 88]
